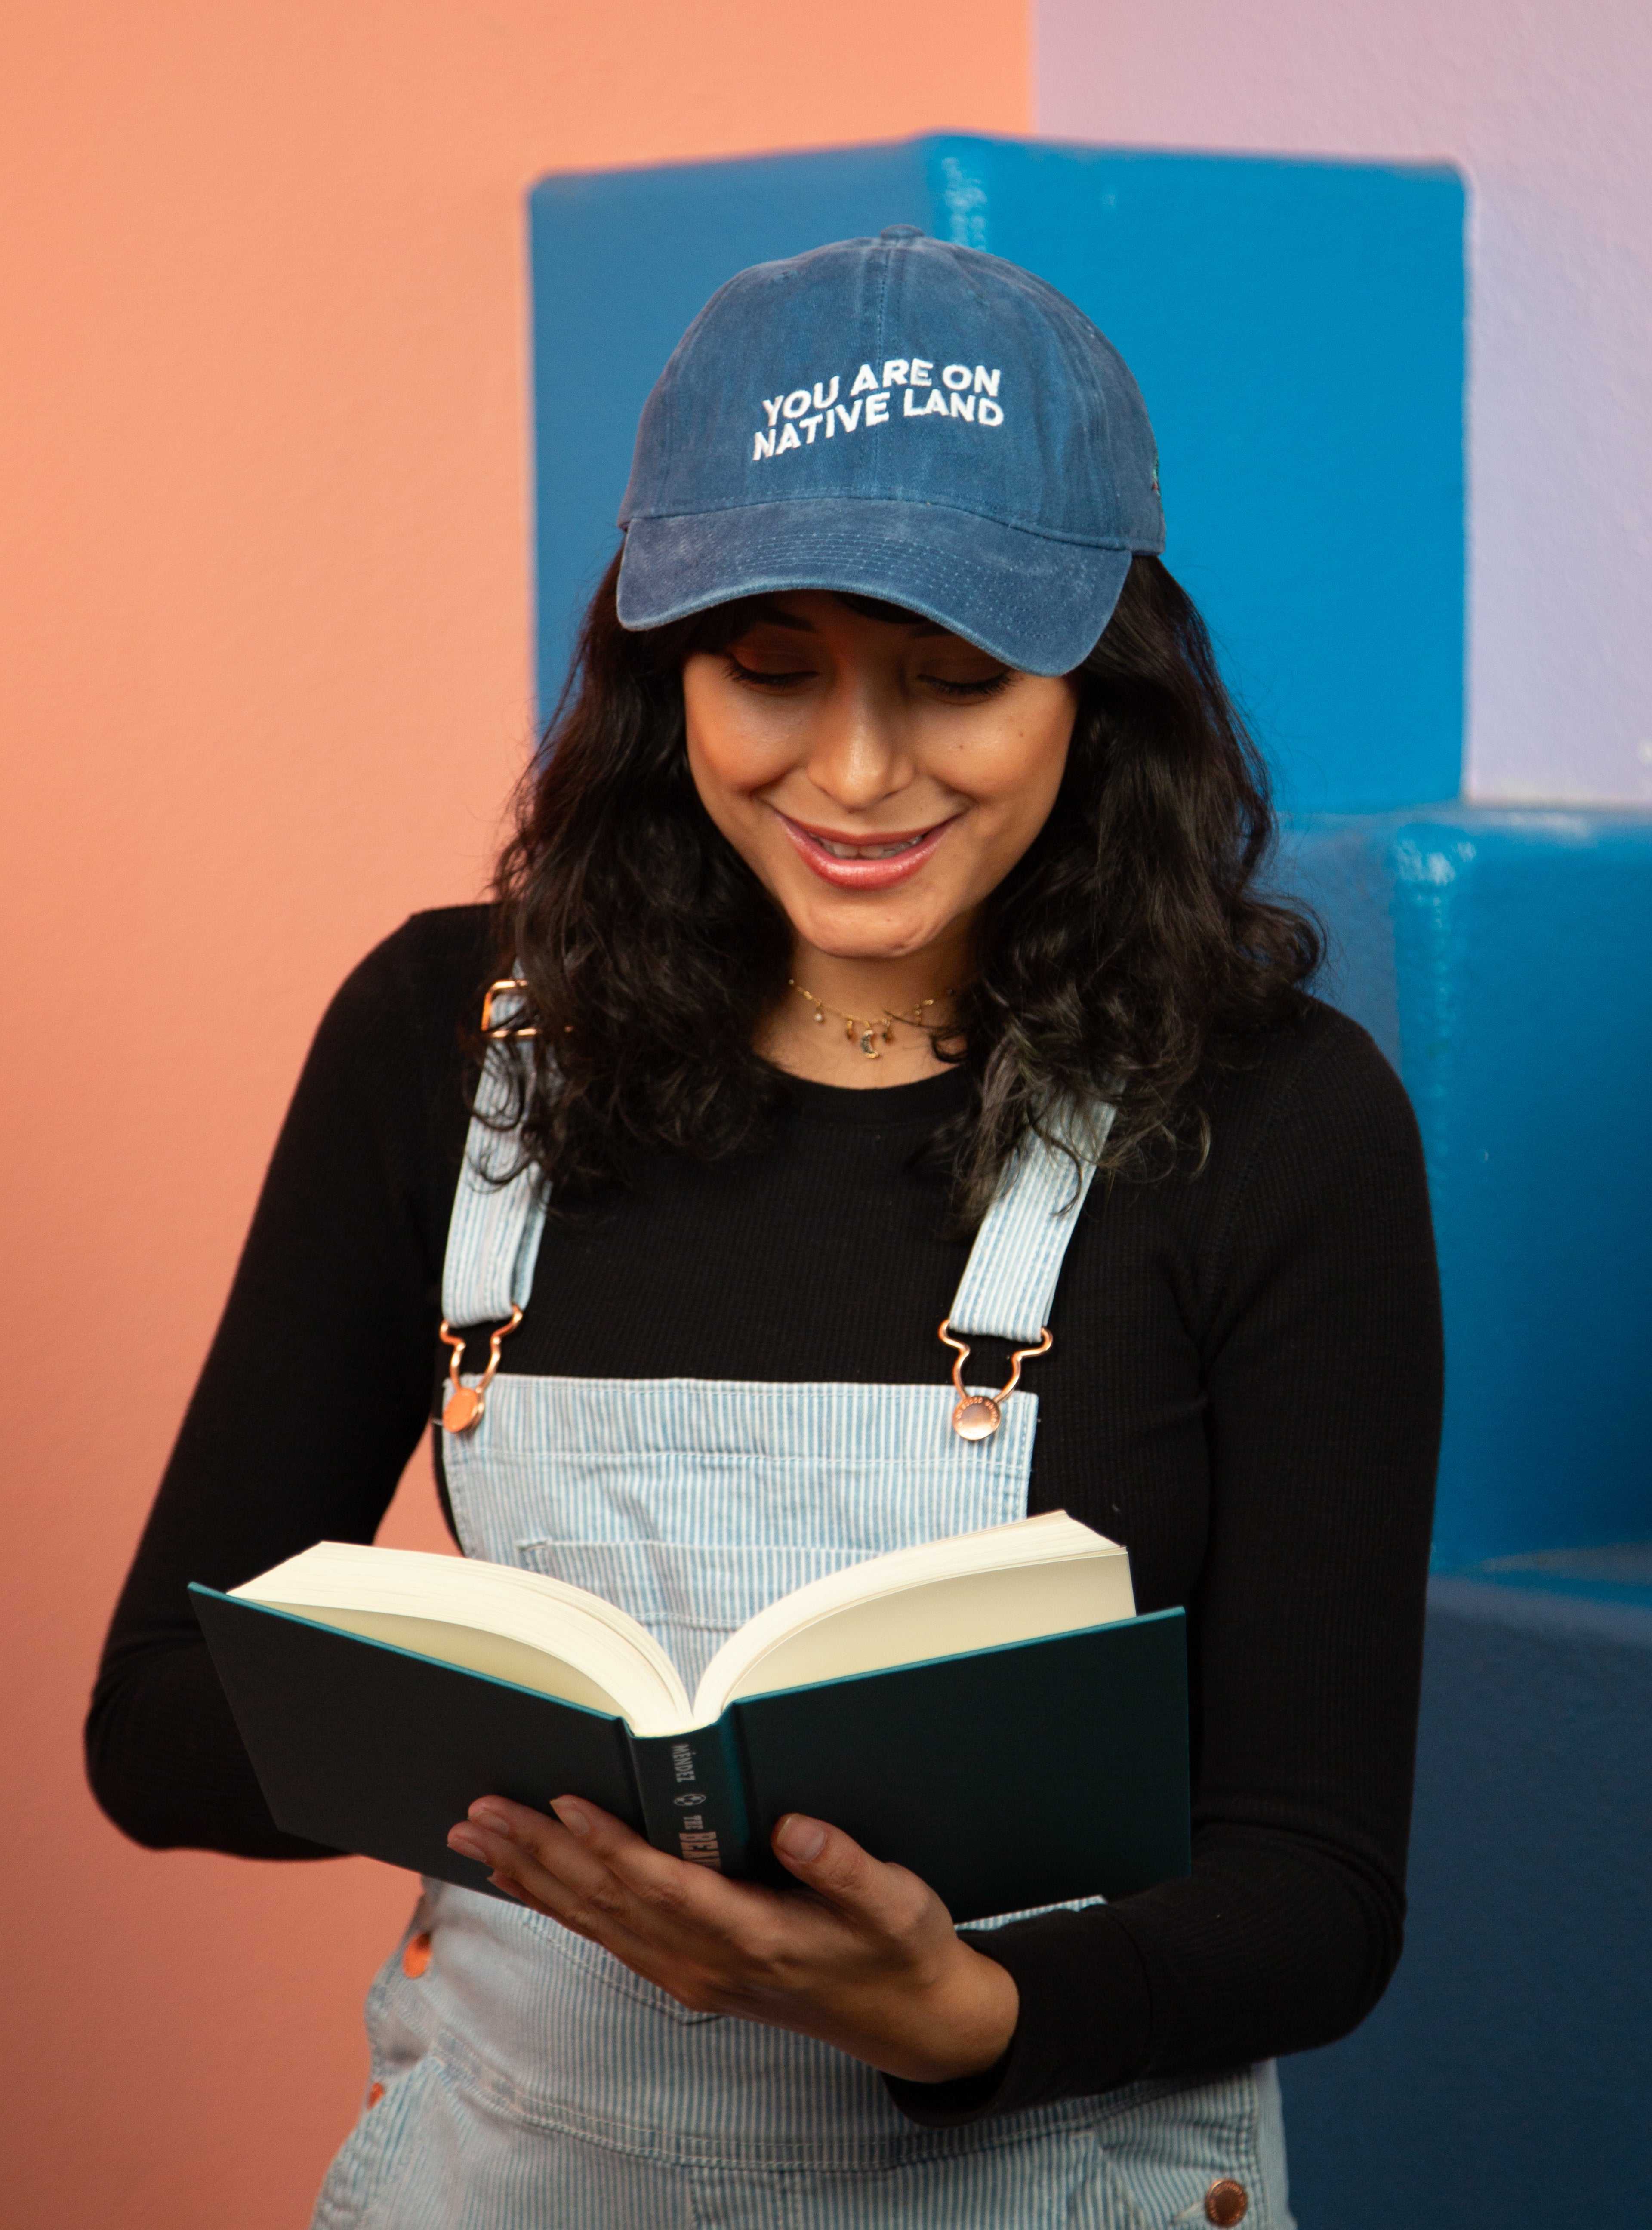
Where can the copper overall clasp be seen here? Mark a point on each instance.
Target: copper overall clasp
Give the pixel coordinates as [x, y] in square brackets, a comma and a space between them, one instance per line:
[502, 1032]
[462, 1411]
[978, 1416]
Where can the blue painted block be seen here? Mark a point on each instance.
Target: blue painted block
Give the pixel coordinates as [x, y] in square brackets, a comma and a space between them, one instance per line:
[1503, 959]
[1297, 328]
[622, 260]
[1506, 2073]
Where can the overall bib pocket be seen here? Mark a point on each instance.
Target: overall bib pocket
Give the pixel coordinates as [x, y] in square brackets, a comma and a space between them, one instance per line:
[690, 1597]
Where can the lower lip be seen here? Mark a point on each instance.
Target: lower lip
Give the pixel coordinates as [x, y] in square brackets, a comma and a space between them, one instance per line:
[863, 874]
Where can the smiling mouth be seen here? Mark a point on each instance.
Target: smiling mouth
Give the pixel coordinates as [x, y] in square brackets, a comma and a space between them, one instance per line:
[871, 866]
[870, 851]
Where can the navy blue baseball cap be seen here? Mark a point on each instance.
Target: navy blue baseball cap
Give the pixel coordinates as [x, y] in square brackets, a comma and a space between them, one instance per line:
[898, 418]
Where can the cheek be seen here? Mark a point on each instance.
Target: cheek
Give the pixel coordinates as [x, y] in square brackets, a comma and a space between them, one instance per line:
[1018, 778]
[732, 750]
[727, 781]
[733, 766]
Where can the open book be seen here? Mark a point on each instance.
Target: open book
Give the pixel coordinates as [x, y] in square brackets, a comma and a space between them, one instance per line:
[969, 1591]
[986, 1708]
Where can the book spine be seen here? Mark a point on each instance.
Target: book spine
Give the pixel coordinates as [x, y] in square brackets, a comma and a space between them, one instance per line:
[693, 1796]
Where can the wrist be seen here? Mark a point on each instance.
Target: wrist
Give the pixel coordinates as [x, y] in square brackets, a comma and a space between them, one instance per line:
[969, 2018]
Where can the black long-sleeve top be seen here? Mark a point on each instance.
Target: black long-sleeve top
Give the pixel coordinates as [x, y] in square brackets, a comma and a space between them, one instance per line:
[1245, 1390]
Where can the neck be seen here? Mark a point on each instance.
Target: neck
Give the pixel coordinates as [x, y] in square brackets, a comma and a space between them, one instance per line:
[880, 1016]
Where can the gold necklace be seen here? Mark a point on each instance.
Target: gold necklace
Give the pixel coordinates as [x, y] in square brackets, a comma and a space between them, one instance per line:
[869, 1033]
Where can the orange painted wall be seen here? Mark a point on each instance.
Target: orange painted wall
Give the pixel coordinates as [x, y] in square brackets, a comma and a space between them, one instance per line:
[264, 621]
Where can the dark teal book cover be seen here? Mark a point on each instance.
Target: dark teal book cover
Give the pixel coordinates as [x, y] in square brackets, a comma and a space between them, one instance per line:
[1005, 1777]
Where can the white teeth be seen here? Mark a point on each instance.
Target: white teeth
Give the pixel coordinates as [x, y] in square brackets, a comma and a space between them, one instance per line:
[868, 851]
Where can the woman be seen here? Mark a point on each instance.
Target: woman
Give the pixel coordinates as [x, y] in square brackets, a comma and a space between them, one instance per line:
[896, 842]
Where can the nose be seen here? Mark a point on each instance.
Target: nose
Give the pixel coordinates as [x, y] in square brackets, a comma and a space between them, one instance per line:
[858, 755]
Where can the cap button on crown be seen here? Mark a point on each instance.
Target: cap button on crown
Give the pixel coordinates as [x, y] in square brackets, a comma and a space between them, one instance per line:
[901, 232]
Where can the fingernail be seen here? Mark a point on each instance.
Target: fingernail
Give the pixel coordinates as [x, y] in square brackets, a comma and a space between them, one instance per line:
[467, 1844]
[495, 1822]
[573, 1816]
[801, 1838]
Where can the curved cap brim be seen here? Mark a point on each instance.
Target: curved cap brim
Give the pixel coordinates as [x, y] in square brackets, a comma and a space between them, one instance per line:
[1037, 604]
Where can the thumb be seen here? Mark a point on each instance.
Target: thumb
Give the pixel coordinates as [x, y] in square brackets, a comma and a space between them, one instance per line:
[833, 1866]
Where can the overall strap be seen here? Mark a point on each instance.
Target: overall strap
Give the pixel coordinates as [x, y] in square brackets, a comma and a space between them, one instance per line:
[494, 1236]
[1010, 1278]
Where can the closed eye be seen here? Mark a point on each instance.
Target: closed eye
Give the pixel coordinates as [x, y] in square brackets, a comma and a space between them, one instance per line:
[759, 679]
[974, 692]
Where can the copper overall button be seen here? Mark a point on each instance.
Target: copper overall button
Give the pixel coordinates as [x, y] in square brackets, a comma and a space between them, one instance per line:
[1227, 2202]
[415, 1957]
[375, 2094]
[976, 1419]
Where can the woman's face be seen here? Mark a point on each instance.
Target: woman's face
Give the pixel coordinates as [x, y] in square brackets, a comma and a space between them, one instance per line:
[879, 777]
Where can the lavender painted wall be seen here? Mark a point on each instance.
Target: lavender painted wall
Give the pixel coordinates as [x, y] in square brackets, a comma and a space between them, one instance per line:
[1544, 105]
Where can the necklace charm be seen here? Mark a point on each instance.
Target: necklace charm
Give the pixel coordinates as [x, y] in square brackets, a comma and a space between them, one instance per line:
[978, 1416]
[867, 1035]
[463, 1409]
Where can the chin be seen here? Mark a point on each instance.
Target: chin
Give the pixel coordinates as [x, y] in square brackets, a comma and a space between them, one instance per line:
[846, 933]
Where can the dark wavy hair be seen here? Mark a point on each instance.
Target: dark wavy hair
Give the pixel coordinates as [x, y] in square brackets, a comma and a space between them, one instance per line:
[1127, 950]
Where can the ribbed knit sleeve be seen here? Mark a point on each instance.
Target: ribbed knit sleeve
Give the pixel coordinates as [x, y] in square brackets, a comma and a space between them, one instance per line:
[313, 1394]
[1322, 1363]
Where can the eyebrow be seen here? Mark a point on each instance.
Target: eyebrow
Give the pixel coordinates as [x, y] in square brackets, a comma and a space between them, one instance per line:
[765, 613]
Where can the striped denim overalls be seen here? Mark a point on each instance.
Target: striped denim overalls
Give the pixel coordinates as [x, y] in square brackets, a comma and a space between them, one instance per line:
[522, 2078]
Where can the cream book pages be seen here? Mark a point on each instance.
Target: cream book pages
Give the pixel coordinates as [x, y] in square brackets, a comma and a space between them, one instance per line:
[513, 1625]
[1016, 1583]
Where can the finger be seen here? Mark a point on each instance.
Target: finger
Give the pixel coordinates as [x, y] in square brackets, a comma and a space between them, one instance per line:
[588, 1869]
[594, 1908]
[695, 1899]
[587, 1899]
[583, 1846]
[510, 1849]
[887, 1899]
[571, 1830]
[528, 1847]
